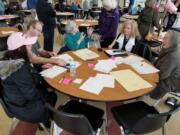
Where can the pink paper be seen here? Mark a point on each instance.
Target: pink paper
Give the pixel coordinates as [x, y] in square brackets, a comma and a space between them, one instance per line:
[113, 58]
[66, 81]
[90, 65]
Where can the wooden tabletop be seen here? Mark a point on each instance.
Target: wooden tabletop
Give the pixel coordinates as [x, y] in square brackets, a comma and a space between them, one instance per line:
[64, 14]
[96, 11]
[81, 22]
[6, 31]
[107, 94]
[7, 17]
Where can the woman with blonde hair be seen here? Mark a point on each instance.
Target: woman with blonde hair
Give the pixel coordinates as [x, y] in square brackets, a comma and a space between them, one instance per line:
[127, 38]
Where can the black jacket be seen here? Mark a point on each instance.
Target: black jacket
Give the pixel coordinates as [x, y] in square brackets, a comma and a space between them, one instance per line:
[45, 13]
[22, 97]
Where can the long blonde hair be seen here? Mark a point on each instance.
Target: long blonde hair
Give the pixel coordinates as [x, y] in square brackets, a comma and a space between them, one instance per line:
[134, 29]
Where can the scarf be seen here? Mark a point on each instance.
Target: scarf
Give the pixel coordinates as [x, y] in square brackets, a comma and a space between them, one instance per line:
[129, 44]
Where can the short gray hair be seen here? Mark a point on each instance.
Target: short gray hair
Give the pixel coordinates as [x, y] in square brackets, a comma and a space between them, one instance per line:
[174, 39]
[69, 26]
[110, 3]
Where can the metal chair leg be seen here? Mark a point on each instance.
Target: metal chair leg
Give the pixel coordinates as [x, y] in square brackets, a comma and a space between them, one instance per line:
[163, 130]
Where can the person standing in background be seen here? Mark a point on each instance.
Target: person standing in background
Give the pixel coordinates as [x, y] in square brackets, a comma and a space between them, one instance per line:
[31, 4]
[148, 18]
[46, 14]
[131, 4]
[108, 22]
[86, 7]
[2, 7]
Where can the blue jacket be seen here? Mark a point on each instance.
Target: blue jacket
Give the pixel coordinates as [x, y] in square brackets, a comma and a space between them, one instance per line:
[31, 4]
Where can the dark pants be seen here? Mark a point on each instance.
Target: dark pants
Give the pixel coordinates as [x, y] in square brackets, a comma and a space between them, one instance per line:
[48, 32]
[106, 42]
[86, 14]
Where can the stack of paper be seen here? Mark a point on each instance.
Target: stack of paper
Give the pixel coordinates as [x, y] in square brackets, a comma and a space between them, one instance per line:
[86, 54]
[130, 80]
[132, 59]
[144, 68]
[96, 84]
[52, 72]
[67, 58]
[105, 65]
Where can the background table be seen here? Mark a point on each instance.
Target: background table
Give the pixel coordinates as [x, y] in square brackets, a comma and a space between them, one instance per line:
[107, 94]
[7, 29]
[8, 17]
[82, 22]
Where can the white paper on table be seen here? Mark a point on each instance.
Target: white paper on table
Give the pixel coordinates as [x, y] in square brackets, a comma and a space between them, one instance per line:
[86, 54]
[65, 57]
[92, 86]
[132, 59]
[144, 68]
[105, 65]
[78, 81]
[7, 32]
[106, 80]
[76, 63]
[118, 60]
[53, 71]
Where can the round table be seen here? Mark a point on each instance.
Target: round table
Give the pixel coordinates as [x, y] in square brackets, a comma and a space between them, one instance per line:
[83, 23]
[6, 31]
[107, 94]
[8, 17]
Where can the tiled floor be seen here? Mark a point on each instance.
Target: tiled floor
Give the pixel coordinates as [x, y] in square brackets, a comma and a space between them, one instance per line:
[172, 127]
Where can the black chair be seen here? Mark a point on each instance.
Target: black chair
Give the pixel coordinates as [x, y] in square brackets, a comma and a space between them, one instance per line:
[140, 118]
[78, 118]
[142, 49]
[4, 104]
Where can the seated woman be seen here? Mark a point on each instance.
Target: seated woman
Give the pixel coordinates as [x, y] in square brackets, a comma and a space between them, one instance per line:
[22, 91]
[74, 39]
[169, 65]
[127, 38]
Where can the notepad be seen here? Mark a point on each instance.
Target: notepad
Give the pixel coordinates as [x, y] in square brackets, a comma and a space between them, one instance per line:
[144, 68]
[86, 54]
[65, 57]
[52, 72]
[130, 80]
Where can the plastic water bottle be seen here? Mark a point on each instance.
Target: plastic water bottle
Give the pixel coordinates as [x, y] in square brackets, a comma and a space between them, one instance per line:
[73, 70]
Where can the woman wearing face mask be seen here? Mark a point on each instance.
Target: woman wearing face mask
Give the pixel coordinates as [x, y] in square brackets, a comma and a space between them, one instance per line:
[127, 38]
[74, 39]
[108, 22]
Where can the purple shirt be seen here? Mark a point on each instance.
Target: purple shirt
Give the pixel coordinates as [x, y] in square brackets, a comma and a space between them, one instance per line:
[108, 23]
